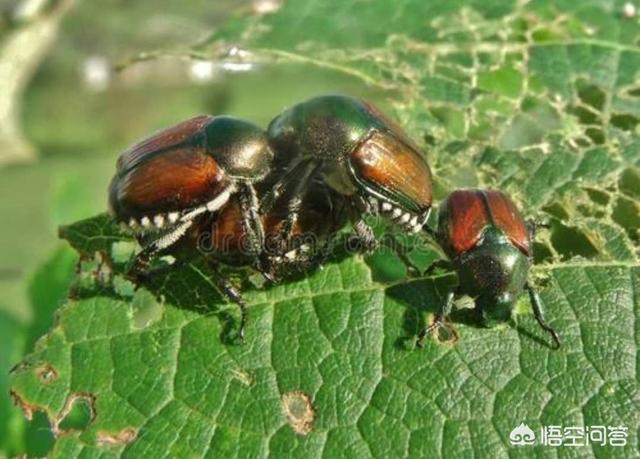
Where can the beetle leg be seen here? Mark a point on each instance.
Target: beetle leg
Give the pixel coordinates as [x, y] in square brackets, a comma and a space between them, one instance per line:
[306, 262]
[438, 264]
[363, 240]
[401, 251]
[148, 274]
[536, 304]
[297, 196]
[438, 321]
[532, 228]
[533, 225]
[141, 260]
[301, 254]
[430, 231]
[271, 196]
[227, 289]
[251, 218]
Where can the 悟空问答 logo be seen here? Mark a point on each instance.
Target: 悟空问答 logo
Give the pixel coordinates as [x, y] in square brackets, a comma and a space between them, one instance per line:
[522, 435]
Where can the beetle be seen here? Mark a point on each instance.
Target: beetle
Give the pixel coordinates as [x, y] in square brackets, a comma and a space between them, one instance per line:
[178, 176]
[490, 247]
[351, 147]
[221, 237]
[167, 180]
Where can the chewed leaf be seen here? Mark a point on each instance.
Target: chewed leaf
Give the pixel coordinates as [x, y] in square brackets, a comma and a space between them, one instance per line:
[539, 99]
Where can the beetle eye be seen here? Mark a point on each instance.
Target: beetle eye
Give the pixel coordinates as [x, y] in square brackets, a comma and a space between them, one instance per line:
[394, 169]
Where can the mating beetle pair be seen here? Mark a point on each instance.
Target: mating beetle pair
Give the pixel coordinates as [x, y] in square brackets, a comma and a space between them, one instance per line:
[250, 194]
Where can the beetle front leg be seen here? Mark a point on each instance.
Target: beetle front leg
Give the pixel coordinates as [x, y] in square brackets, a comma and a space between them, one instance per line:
[227, 289]
[438, 264]
[533, 225]
[439, 321]
[538, 313]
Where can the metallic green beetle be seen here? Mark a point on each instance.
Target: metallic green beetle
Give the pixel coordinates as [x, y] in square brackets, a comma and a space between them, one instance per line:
[490, 247]
[355, 150]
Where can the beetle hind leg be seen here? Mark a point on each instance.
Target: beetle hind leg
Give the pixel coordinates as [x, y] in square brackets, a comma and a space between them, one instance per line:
[231, 293]
[439, 321]
[225, 288]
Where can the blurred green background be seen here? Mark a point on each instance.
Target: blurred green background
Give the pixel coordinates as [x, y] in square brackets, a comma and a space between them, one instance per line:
[79, 113]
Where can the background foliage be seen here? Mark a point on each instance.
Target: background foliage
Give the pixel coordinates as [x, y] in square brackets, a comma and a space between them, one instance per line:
[538, 98]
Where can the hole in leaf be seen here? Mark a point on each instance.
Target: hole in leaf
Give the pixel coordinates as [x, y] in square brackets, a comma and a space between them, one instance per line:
[537, 119]
[37, 433]
[633, 92]
[456, 147]
[542, 253]
[39, 438]
[123, 287]
[585, 116]
[626, 213]
[625, 122]
[596, 135]
[570, 242]
[555, 209]
[544, 34]
[582, 142]
[591, 94]
[598, 196]
[629, 182]
[429, 139]
[146, 308]
[77, 414]
[122, 251]
[386, 266]
[521, 132]
[585, 209]
[453, 120]
[446, 333]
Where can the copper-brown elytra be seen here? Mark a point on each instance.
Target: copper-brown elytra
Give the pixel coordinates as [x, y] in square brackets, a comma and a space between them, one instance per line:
[169, 182]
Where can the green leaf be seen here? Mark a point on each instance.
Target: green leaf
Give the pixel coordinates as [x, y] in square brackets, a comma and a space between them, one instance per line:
[11, 341]
[539, 99]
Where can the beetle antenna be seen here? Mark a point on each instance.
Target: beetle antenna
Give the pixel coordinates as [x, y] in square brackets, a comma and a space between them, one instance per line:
[538, 313]
[430, 231]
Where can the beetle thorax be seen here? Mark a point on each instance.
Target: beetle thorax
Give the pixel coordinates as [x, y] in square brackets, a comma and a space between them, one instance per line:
[492, 270]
